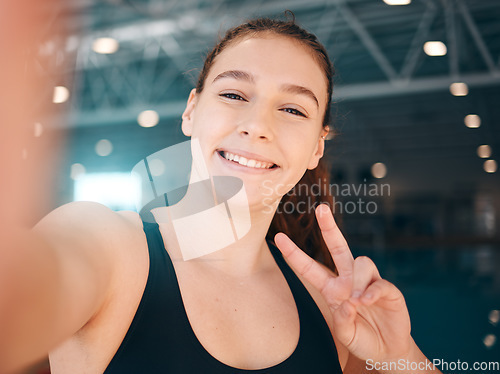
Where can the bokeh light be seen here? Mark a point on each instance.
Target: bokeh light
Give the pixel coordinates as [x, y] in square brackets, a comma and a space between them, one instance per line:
[103, 147]
[156, 166]
[489, 340]
[490, 166]
[105, 45]
[77, 170]
[494, 317]
[484, 151]
[61, 95]
[472, 121]
[435, 48]
[148, 118]
[459, 89]
[397, 2]
[379, 170]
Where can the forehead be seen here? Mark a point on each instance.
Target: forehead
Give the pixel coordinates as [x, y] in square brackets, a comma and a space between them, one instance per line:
[273, 59]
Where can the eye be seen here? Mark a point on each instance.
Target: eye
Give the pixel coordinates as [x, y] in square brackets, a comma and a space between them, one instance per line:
[294, 112]
[232, 96]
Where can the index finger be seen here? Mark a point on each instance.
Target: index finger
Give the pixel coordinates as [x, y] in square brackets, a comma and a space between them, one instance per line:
[335, 241]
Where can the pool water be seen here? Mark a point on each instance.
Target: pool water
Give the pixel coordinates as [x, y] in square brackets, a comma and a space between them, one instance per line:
[453, 297]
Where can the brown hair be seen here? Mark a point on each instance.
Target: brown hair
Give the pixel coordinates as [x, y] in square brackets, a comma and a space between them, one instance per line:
[300, 226]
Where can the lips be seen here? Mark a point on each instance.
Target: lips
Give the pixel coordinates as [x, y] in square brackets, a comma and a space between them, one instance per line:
[246, 160]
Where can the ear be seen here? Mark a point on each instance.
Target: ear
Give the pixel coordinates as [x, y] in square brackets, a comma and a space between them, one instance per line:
[319, 150]
[188, 115]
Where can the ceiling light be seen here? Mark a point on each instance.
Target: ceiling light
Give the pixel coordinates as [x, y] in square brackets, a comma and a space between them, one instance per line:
[156, 167]
[105, 45]
[484, 151]
[435, 48]
[148, 118]
[490, 166]
[489, 340]
[494, 316]
[379, 170]
[77, 170]
[397, 2]
[472, 121]
[459, 89]
[103, 147]
[61, 94]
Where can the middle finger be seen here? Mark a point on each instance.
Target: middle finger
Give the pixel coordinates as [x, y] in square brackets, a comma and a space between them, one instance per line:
[335, 241]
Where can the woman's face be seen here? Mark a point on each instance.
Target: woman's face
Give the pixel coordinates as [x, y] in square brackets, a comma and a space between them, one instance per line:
[259, 116]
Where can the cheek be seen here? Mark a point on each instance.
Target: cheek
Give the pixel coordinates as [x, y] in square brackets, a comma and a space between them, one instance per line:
[211, 127]
[301, 146]
[209, 123]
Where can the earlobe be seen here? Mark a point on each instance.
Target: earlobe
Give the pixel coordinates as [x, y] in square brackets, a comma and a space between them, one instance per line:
[319, 151]
[188, 115]
[313, 163]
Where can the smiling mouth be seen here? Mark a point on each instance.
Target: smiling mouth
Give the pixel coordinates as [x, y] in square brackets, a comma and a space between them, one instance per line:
[246, 161]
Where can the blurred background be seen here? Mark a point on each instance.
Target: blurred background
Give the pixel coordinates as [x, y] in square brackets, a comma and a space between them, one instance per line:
[414, 159]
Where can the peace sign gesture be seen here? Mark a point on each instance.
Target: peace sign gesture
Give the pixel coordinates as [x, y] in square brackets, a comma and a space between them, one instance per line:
[369, 314]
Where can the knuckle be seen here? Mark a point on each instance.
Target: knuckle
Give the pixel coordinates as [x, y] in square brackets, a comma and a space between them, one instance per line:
[363, 260]
[336, 250]
[307, 267]
[386, 283]
[381, 283]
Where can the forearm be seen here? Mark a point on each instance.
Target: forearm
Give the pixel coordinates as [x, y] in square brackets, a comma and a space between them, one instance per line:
[355, 365]
[413, 363]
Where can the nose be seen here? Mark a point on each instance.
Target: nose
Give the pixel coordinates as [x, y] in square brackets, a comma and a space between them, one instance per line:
[257, 125]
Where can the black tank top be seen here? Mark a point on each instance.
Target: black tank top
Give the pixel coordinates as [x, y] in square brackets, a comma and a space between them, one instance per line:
[161, 340]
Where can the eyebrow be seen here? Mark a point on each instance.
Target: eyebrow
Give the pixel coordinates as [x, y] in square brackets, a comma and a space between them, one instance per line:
[300, 90]
[290, 88]
[235, 74]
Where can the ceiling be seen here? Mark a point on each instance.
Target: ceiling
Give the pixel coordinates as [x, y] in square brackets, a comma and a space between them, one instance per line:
[391, 102]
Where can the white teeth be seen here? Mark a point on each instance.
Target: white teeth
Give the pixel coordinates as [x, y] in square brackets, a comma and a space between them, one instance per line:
[242, 161]
[246, 162]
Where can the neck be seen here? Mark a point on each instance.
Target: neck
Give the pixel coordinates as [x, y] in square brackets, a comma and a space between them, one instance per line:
[235, 246]
[246, 256]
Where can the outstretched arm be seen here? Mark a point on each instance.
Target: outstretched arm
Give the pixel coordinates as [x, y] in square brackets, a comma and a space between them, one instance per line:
[50, 283]
[369, 314]
[54, 279]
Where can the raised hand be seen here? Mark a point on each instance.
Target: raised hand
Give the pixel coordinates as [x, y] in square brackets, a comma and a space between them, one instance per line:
[370, 317]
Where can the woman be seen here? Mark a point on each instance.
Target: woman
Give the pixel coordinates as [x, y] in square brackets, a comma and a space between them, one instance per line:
[121, 300]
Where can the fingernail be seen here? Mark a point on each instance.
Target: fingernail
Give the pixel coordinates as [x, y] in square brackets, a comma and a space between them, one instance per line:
[368, 296]
[356, 294]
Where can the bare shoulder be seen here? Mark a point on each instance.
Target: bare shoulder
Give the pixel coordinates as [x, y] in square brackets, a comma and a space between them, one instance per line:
[105, 257]
[82, 218]
[95, 246]
[90, 226]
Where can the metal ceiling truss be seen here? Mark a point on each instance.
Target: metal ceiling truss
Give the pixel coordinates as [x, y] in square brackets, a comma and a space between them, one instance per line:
[149, 70]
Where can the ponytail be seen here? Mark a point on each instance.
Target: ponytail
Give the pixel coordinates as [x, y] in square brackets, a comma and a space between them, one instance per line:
[295, 214]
